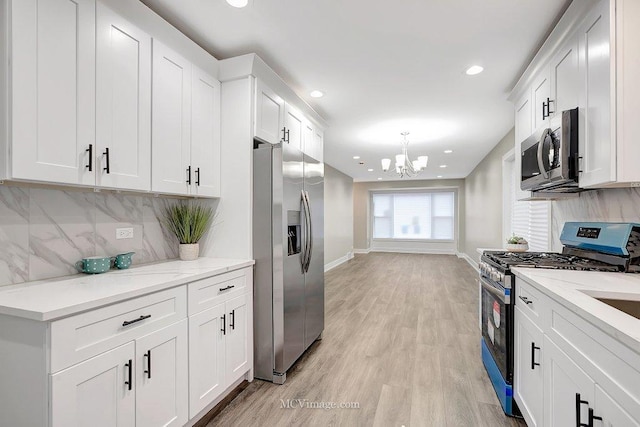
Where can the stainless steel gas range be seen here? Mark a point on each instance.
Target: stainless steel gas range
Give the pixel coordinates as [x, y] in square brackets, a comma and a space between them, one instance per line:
[612, 247]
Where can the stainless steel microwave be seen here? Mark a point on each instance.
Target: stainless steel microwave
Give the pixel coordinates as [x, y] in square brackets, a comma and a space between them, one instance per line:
[549, 158]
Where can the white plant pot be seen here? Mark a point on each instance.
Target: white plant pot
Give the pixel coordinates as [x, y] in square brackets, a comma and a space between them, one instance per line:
[517, 247]
[189, 252]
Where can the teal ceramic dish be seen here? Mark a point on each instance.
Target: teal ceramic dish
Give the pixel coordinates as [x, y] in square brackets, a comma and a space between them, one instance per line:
[123, 261]
[94, 265]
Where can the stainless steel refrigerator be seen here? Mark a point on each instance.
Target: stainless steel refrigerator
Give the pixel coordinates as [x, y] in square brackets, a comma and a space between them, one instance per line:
[288, 246]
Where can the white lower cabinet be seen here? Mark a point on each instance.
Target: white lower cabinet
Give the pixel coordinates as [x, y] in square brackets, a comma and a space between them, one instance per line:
[569, 373]
[528, 368]
[141, 383]
[94, 392]
[220, 342]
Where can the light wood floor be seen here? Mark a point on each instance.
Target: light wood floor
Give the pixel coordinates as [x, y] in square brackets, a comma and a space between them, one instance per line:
[401, 338]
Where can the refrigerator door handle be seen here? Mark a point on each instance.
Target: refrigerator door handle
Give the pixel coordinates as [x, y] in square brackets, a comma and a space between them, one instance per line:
[310, 250]
[305, 243]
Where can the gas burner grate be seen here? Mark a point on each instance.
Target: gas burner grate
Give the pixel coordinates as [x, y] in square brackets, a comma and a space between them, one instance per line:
[549, 260]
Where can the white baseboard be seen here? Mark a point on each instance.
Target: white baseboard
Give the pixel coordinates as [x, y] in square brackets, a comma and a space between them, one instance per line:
[470, 260]
[361, 251]
[415, 251]
[337, 262]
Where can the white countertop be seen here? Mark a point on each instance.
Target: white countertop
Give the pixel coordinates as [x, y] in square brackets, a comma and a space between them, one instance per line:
[568, 288]
[51, 299]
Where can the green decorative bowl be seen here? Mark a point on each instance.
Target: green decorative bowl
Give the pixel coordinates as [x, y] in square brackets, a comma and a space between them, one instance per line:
[94, 265]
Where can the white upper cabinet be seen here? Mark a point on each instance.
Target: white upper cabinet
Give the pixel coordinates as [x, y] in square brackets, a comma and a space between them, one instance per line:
[269, 114]
[294, 125]
[524, 129]
[205, 134]
[53, 90]
[564, 78]
[596, 140]
[319, 144]
[171, 122]
[123, 103]
[540, 96]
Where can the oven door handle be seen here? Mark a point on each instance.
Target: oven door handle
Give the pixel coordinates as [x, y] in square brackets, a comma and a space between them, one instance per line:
[506, 299]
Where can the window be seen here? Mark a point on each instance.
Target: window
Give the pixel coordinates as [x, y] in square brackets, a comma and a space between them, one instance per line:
[413, 215]
[530, 219]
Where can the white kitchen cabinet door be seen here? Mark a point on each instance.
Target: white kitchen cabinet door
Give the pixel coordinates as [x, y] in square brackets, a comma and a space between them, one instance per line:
[171, 122]
[206, 357]
[524, 129]
[541, 93]
[528, 369]
[308, 139]
[123, 103]
[95, 392]
[205, 134]
[611, 413]
[269, 114]
[319, 142]
[564, 78]
[236, 335]
[294, 125]
[53, 90]
[569, 391]
[596, 137]
[162, 375]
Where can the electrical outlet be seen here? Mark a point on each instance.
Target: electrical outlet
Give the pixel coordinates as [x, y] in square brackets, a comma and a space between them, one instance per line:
[124, 233]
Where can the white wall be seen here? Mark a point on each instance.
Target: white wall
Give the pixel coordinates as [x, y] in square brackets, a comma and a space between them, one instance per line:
[338, 217]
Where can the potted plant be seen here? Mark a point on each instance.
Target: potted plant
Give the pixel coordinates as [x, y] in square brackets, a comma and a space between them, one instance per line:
[188, 221]
[517, 244]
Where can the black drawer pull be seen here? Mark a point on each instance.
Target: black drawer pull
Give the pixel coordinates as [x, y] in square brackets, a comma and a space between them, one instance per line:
[129, 366]
[227, 288]
[525, 300]
[139, 319]
[90, 151]
[593, 417]
[232, 323]
[533, 355]
[107, 168]
[579, 403]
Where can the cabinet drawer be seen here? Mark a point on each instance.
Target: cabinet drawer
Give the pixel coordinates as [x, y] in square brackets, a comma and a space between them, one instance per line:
[531, 301]
[207, 293]
[85, 335]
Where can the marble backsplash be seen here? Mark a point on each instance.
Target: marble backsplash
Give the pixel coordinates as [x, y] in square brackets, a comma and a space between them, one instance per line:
[44, 232]
[611, 205]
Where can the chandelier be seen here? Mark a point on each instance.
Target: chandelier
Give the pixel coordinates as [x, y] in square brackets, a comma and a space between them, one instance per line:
[405, 167]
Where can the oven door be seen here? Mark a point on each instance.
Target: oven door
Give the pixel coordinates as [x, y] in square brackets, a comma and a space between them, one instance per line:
[497, 325]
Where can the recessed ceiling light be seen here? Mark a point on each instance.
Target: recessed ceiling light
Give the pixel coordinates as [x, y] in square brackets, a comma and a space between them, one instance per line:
[379, 179]
[238, 3]
[439, 176]
[316, 94]
[356, 157]
[473, 70]
[448, 151]
[370, 170]
[443, 166]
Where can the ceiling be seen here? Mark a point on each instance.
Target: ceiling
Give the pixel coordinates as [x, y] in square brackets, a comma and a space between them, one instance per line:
[386, 67]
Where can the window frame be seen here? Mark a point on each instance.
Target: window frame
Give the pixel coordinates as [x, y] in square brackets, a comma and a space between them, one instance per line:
[455, 217]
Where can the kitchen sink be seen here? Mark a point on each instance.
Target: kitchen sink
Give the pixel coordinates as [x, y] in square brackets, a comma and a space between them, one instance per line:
[630, 307]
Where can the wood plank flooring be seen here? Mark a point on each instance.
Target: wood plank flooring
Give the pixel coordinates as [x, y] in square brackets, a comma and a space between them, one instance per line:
[401, 340]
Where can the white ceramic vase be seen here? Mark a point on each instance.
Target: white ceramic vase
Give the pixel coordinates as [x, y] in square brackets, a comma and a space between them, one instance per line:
[517, 247]
[189, 252]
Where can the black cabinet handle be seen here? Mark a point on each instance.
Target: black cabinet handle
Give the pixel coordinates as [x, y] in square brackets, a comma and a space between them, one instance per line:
[232, 322]
[525, 300]
[593, 417]
[227, 288]
[549, 112]
[90, 151]
[139, 319]
[579, 403]
[533, 356]
[285, 135]
[198, 177]
[544, 109]
[224, 325]
[189, 175]
[107, 167]
[148, 357]
[129, 366]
